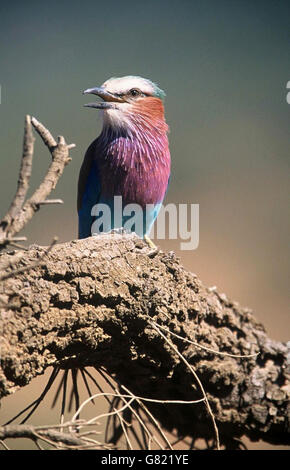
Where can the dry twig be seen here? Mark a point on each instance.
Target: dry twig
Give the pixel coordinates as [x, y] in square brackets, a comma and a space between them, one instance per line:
[21, 212]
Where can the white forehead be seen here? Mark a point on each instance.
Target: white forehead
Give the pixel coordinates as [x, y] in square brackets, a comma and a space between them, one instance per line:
[124, 84]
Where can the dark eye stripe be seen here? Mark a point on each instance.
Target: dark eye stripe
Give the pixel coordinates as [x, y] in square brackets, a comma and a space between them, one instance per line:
[142, 93]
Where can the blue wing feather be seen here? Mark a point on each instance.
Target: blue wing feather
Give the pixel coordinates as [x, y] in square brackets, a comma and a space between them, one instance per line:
[89, 194]
[89, 189]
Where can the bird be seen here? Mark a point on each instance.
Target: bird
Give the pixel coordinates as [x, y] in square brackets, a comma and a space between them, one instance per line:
[130, 159]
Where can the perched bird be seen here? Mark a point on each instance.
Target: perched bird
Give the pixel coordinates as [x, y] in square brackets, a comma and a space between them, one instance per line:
[130, 158]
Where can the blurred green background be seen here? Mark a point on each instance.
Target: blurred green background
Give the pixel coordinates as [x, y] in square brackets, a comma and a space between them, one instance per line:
[224, 66]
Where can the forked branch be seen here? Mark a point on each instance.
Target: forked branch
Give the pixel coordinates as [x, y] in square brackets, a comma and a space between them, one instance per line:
[21, 212]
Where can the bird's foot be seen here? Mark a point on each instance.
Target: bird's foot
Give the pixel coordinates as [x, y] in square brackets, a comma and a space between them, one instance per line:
[154, 248]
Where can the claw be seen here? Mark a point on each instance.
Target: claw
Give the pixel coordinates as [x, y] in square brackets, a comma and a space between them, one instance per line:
[150, 242]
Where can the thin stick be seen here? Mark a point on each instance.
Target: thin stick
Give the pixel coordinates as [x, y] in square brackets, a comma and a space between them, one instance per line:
[50, 201]
[44, 133]
[143, 427]
[155, 422]
[60, 158]
[151, 400]
[122, 421]
[204, 347]
[197, 380]
[108, 380]
[38, 445]
[24, 176]
[10, 240]
[4, 445]
[103, 414]
[111, 403]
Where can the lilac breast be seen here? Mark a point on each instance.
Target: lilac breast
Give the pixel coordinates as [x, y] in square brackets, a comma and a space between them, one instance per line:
[136, 168]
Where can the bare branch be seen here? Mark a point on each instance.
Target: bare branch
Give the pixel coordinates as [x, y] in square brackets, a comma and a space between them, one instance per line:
[21, 212]
[45, 134]
[23, 179]
[51, 201]
[118, 302]
[50, 435]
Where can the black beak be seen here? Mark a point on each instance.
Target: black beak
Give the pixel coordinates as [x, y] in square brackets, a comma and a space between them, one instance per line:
[109, 98]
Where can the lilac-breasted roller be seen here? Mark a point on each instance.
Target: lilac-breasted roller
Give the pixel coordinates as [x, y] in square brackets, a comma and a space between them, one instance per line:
[130, 158]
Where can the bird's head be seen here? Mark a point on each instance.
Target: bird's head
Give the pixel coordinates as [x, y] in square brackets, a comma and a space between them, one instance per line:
[130, 102]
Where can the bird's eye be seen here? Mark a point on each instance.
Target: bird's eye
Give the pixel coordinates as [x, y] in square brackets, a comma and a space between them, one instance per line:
[135, 92]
